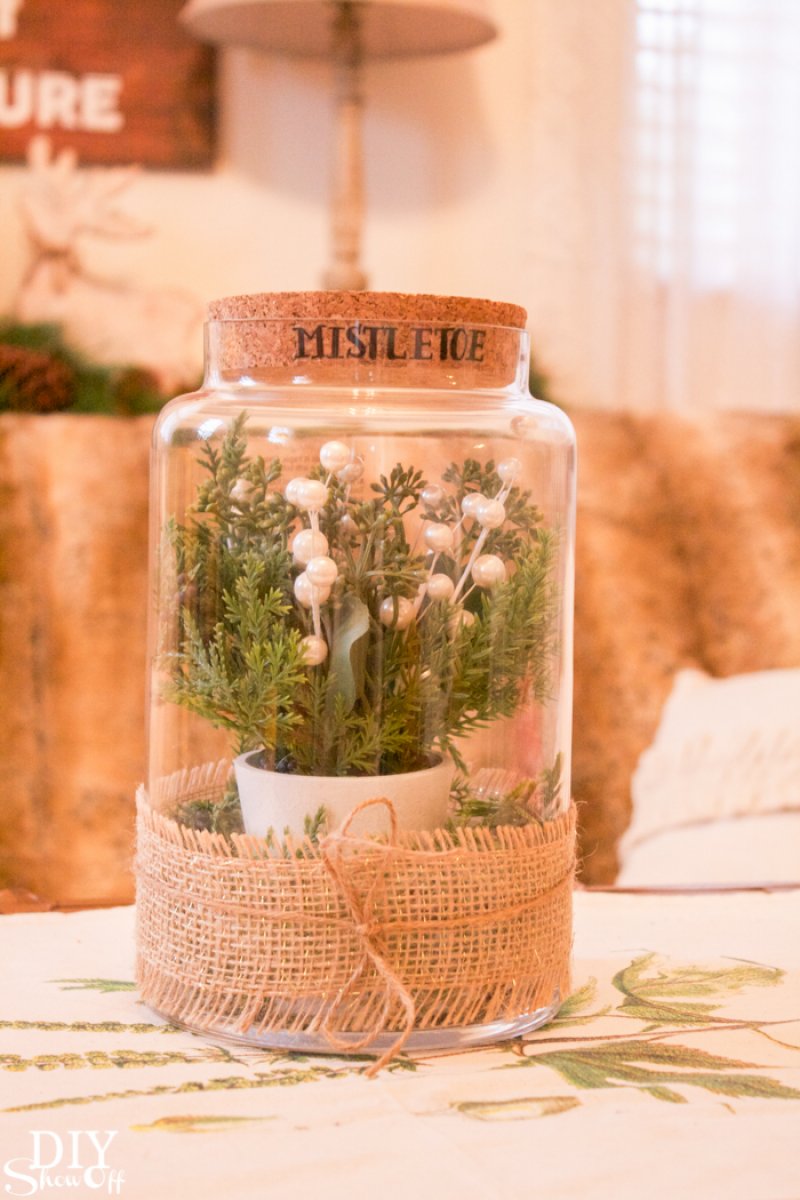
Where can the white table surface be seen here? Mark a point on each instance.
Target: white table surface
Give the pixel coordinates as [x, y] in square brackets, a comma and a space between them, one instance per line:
[674, 1073]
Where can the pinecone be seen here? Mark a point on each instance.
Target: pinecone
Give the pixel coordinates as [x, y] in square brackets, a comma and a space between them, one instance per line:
[32, 381]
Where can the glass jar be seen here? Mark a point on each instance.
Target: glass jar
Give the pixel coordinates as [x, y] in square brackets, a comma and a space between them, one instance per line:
[362, 585]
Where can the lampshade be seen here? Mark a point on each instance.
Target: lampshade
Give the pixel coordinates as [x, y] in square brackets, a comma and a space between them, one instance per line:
[303, 28]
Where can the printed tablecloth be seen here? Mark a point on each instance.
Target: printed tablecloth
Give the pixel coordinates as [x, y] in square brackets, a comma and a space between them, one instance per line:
[672, 1071]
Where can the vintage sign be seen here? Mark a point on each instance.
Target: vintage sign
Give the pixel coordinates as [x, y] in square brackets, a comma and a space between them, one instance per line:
[120, 82]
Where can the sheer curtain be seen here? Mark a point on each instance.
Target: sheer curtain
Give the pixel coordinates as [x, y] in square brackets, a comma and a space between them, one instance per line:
[665, 250]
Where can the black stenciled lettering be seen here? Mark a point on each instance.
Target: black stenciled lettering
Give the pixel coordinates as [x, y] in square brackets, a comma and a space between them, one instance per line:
[444, 335]
[458, 344]
[372, 332]
[477, 344]
[304, 336]
[422, 343]
[391, 348]
[358, 347]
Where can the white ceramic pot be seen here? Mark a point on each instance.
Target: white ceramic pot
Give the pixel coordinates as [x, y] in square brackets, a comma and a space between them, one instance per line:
[271, 800]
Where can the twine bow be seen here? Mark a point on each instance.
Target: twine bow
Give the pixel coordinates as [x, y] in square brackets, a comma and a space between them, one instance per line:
[361, 908]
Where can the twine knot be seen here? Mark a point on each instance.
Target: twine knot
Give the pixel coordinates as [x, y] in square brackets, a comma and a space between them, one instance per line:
[361, 908]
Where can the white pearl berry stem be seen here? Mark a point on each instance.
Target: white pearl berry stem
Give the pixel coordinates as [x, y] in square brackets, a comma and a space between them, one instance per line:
[423, 587]
[493, 510]
[322, 571]
[292, 490]
[438, 537]
[311, 495]
[334, 455]
[440, 587]
[315, 617]
[308, 544]
[351, 472]
[432, 496]
[315, 650]
[307, 592]
[509, 470]
[471, 502]
[399, 614]
[489, 570]
[476, 549]
[313, 520]
[490, 514]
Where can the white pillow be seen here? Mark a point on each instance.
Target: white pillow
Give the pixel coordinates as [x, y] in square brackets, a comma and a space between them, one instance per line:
[716, 797]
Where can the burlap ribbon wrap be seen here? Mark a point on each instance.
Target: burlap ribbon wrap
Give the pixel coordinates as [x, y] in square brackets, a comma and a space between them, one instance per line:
[354, 937]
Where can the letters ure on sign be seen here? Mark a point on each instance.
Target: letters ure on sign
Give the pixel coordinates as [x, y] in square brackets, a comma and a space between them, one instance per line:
[132, 90]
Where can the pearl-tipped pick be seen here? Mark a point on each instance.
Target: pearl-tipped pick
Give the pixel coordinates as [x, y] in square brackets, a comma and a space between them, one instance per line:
[322, 571]
[315, 650]
[490, 514]
[405, 612]
[308, 543]
[470, 503]
[241, 490]
[312, 495]
[292, 489]
[309, 494]
[460, 617]
[488, 571]
[509, 470]
[334, 455]
[440, 587]
[432, 495]
[307, 592]
[439, 537]
[351, 472]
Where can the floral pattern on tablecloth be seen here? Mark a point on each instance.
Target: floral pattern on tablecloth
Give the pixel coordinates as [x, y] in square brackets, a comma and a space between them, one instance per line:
[649, 1030]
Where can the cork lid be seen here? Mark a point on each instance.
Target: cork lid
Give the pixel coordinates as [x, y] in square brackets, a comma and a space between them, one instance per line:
[413, 338]
[367, 306]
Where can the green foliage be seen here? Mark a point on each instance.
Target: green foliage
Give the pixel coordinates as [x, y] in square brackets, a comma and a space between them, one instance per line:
[521, 1108]
[103, 1059]
[386, 699]
[89, 1027]
[572, 1013]
[659, 996]
[654, 992]
[96, 985]
[528, 800]
[120, 390]
[196, 1123]
[223, 815]
[656, 1068]
[539, 382]
[244, 675]
[259, 1079]
[315, 826]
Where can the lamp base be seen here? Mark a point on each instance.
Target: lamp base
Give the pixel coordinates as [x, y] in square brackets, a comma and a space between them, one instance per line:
[344, 277]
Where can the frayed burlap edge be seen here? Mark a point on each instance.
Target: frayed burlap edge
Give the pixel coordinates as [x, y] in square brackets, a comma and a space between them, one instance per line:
[353, 936]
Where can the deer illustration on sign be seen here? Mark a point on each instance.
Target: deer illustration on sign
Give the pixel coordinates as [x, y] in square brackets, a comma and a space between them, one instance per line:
[113, 321]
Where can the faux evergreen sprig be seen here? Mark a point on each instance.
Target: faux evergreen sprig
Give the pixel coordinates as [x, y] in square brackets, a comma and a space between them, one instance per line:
[308, 621]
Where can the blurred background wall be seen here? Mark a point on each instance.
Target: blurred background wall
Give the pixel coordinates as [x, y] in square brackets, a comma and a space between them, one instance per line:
[628, 171]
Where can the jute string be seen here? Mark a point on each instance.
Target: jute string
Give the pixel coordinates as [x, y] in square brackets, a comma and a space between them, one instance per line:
[355, 936]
